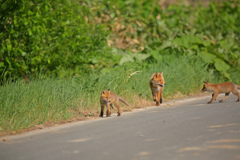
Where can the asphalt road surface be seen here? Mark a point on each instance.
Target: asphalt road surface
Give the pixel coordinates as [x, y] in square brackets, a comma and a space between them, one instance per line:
[187, 130]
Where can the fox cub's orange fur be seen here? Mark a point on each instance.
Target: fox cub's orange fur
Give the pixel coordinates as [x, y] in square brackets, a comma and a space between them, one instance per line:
[157, 84]
[107, 99]
[226, 88]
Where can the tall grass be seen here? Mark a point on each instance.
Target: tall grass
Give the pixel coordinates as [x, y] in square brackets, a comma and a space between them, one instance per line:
[46, 100]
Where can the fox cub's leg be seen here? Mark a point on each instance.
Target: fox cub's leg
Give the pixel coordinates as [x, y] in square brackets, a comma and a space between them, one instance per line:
[158, 98]
[237, 94]
[213, 98]
[102, 110]
[111, 106]
[154, 96]
[226, 96]
[213, 95]
[119, 109]
[161, 97]
[108, 113]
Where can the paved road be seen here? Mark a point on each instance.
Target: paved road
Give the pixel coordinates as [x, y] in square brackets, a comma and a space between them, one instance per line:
[190, 130]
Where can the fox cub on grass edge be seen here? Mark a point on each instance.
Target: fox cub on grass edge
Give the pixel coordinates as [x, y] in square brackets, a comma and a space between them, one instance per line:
[226, 88]
[157, 84]
[107, 99]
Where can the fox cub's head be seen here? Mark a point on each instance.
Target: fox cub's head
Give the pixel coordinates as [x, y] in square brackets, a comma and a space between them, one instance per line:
[158, 78]
[206, 86]
[106, 95]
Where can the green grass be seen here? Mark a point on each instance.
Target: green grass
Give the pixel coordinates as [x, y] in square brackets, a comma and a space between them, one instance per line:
[51, 100]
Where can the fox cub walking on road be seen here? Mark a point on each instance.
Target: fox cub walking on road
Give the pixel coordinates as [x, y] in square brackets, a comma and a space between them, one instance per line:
[107, 99]
[226, 88]
[157, 84]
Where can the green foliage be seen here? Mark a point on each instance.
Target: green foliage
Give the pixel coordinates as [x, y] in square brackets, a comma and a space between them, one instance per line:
[211, 32]
[50, 36]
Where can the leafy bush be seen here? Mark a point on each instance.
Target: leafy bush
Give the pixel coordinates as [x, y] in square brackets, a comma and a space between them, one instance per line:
[211, 32]
[50, 36]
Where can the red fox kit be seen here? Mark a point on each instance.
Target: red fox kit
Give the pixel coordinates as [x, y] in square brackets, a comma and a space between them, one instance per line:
[157, 84]
[107, 99]
[226, 88]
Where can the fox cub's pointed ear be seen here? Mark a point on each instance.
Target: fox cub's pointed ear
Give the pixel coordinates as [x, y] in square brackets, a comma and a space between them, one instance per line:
[102, 92]
[109, 89]
[161, 73]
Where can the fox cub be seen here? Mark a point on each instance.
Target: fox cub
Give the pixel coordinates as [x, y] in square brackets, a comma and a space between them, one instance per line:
[157, 84]
[226, 88]
[107, 99]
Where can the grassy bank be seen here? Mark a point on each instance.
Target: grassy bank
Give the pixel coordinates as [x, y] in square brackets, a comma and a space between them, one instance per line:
[50, 100]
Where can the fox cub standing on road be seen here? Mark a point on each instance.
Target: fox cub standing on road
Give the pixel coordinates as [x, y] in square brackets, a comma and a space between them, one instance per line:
[107, 99]
[226, 88]
[157, 84]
